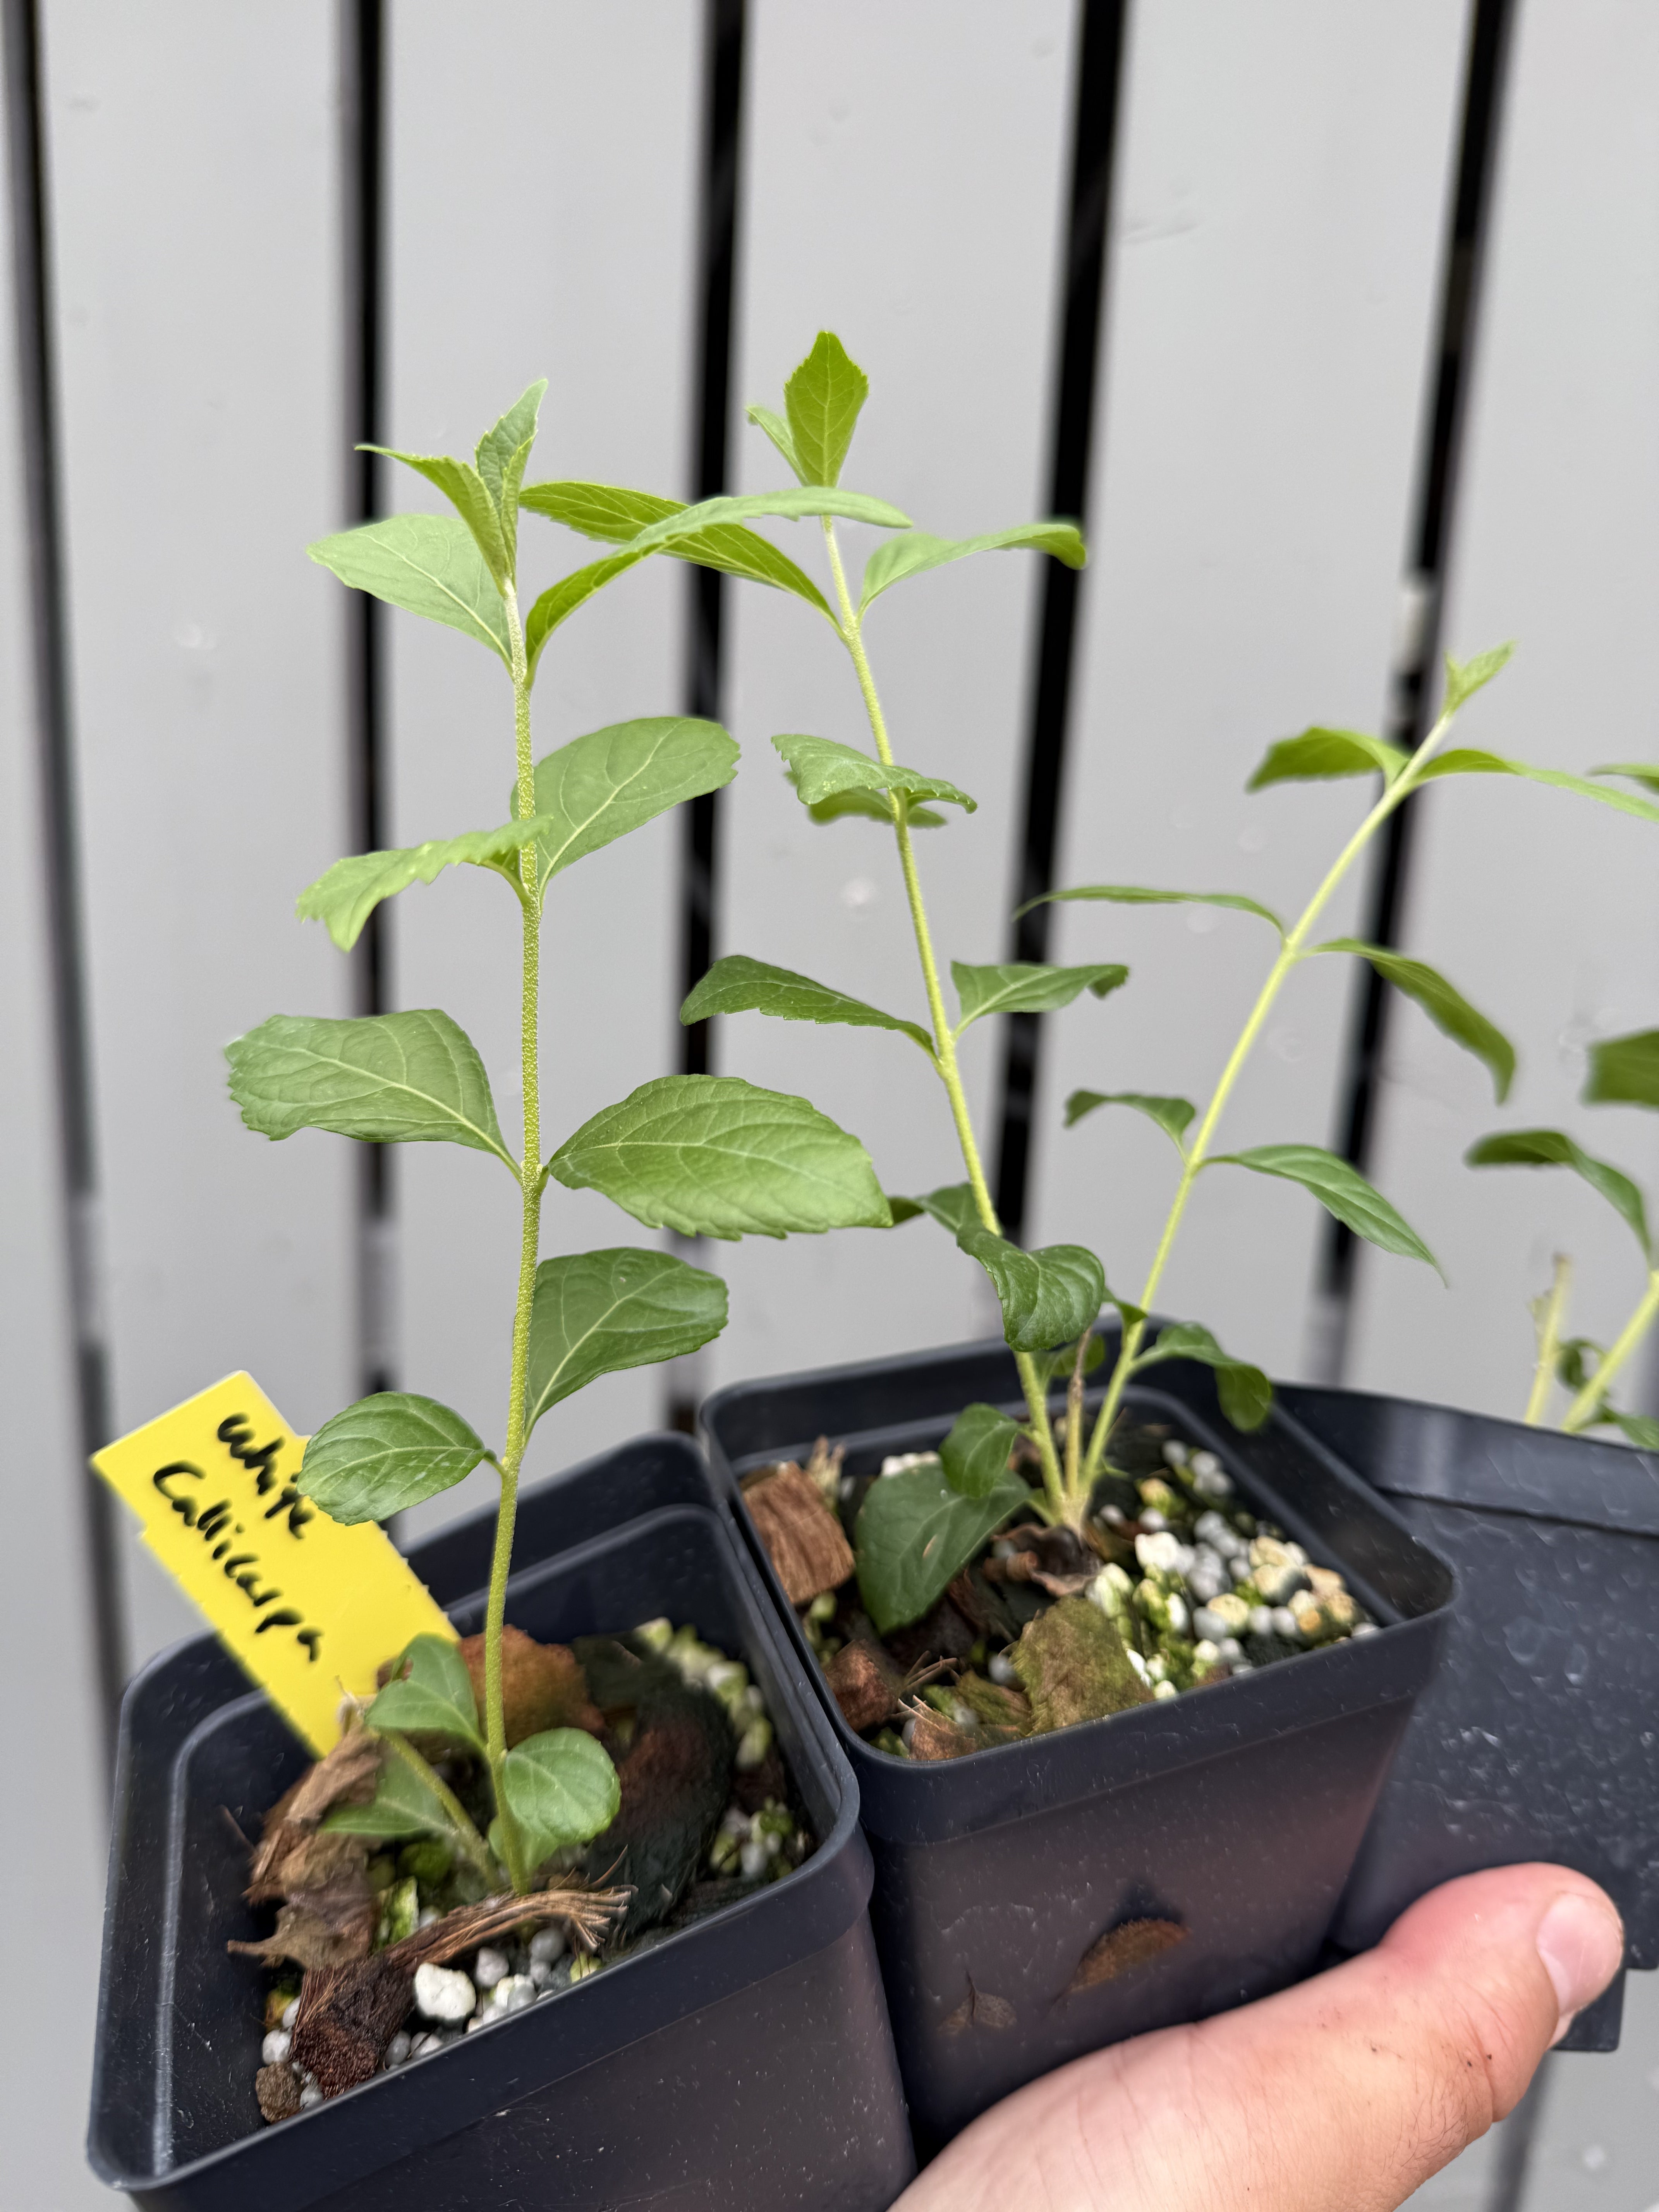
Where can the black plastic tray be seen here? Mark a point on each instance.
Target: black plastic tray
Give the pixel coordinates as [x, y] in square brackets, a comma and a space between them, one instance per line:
[1236, 1811]
[746, 2061]
[1539, 1737]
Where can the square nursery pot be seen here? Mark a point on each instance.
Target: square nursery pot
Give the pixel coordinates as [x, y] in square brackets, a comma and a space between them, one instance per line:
[1539, 1737]
[745, 2061]
[1235, 1813]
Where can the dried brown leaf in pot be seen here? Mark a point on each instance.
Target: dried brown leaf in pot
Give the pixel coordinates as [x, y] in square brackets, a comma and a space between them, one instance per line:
[1074, 1667]
[307, 1939]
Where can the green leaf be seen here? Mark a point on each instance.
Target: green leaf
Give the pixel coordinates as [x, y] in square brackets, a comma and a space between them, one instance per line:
[1574, 1361]
[560, 600]
[1550, 1148]
[426, 563]
[1318, 753]
[823, 400]
[1022, 987]
[385, 1454]
[1063, 1361]
[614, 515]
[1245, 1392]
[1445, 1006]
[898, 557]
[430, 1693]
[595, 1313]
[1640, 1429]
[777, 430]
[1171, 1115]
[873, 806]
[1467, 760]
[975, 1454]
[465, 489]
[1135, 895]
[739, 985]
[501, 455]
[346, 896]
[1046, 1296]
[1624, 1070]
[914, 1535]
[1646, 773]
[1341, 1188]
[1465, 677]
[387, 1078]
[821, 769]
[561, 1788]
[787, 506]
[601, 786]
[712, 1156]
[952, 1207]
[403, 1805]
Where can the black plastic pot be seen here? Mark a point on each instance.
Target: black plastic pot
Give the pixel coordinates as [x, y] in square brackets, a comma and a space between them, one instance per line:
[1236, 1812]
[745, 2061]
[1539, 1737]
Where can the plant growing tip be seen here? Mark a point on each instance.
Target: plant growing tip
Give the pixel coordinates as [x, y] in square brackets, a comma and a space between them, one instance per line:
[1623, 1070]
[713, 1158]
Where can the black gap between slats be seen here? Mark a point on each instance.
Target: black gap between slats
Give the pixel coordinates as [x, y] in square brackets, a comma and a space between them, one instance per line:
[364, 166]
[1075, 410]
[40, 471]
[705, 676]
[725, 38]
[1416, 688]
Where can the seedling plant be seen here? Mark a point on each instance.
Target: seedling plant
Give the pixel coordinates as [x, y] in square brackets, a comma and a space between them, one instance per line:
[1623, 1070]
[708, 1157]
[918, 1528]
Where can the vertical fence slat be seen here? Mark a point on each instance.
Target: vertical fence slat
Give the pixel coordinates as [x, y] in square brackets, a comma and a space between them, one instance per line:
[193, 177]
[1279, 208]
[1544, 910]
[904, 184]
[55, 1863]
[542, 224]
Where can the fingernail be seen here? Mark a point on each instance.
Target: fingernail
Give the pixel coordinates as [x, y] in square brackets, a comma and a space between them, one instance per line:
[1582, 1945]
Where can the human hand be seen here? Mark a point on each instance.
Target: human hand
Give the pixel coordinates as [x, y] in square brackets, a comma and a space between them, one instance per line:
[1341, 2095]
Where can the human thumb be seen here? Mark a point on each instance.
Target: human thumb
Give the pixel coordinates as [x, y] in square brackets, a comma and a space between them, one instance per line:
[1341, 2095]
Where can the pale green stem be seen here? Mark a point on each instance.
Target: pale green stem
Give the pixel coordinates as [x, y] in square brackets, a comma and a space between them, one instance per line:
[530, 1184]
[945, 1043]
[1197, 1152]
[1583, 1407]
[1074, 1415]
[1547, 1313]
[467, 1834]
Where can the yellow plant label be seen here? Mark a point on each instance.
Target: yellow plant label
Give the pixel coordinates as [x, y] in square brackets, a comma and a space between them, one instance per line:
[311, 1609]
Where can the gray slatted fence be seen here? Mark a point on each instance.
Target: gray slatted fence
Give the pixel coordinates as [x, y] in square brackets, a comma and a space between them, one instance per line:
[1214, 275]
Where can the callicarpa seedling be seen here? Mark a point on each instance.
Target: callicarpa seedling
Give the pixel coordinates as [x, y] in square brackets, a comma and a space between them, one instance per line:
[709, 1156]
[1623, 1070]
[915, 1533]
